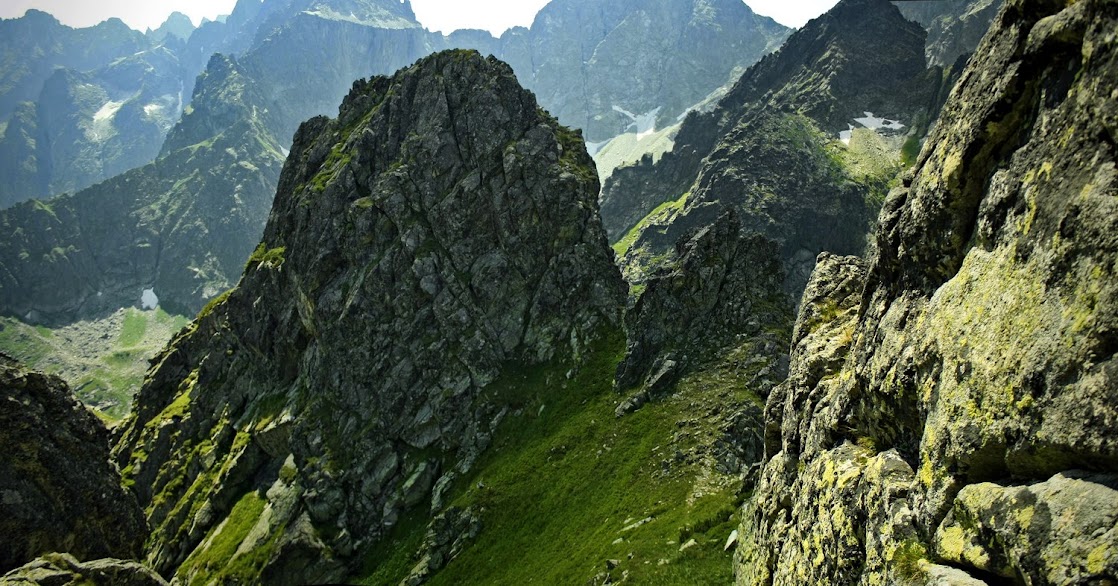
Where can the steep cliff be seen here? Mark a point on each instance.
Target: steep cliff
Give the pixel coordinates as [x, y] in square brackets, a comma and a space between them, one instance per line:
[950, 415]
[58, 490]
[771, 149]
[954, 27]
[86, 127]
[441, 227]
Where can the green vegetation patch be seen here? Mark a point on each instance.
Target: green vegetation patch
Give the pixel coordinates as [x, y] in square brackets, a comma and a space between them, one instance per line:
[662, 215]
[216, 301]
[910, 150]
[263, 256]
[217, 561]
[567, 486]
[133, 330]
[104, 361]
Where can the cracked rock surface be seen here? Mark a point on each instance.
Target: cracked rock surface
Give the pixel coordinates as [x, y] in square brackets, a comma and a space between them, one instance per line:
[947, 406]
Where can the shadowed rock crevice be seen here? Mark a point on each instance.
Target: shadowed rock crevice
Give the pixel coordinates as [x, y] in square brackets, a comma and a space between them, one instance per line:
[58, 490]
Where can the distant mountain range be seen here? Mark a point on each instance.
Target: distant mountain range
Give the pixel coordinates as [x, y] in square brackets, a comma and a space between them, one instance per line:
[350, 39]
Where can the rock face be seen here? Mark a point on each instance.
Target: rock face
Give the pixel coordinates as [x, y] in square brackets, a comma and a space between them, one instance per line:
[351, 39]
[86, 127]
[770, 150]
[955, 27]
[182, 225]
[58, 490]
[442, 226]
[78, 106]
[177, 25]
[950, 416]
[65, 570]
[726, 286]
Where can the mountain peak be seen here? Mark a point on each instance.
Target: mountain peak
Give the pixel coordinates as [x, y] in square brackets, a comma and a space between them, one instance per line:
[441, 227]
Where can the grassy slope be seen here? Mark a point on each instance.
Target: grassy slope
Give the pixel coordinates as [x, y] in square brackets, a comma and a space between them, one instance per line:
[565, 477]
[627, 149]
[104, 361]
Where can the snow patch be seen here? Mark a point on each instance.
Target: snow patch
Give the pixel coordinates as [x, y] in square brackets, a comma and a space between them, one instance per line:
[107, 111]
[643, 124]
[148, 299]
[100, 128]
[871, 122]
[874, 123]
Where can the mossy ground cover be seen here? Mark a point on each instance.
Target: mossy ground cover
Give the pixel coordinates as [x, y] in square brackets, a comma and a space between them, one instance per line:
[567, 486]
[104, 361]
[662, 215]
[217, 561]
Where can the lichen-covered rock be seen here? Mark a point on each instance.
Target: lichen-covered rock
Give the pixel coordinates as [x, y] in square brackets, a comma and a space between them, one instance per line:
[980, 352]
[1061, 531]
[441, 227]
[64, 570]
[58, 490]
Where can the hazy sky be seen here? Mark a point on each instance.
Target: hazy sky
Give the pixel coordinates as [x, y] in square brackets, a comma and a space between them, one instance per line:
[440, 15]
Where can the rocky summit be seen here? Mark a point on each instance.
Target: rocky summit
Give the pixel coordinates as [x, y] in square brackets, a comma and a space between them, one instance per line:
[950, 413]
[771, 149]
[58, 490]
[441, 227]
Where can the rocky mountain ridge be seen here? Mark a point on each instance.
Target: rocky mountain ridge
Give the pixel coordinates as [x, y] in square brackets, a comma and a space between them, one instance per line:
[412, 378]
[79, 105]
[85, 127]
[181, 226]
[291, 85]
[770, 149]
